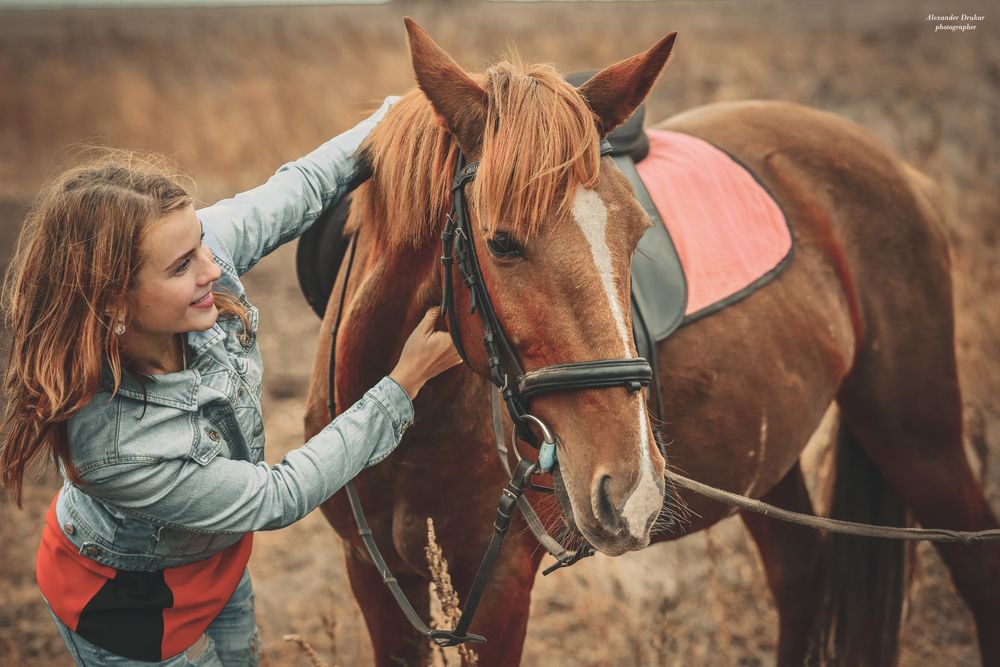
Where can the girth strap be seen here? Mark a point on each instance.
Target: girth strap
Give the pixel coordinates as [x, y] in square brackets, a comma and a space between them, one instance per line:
[633, 374]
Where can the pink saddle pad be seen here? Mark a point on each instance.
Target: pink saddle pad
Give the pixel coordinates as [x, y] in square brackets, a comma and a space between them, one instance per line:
[728, 230]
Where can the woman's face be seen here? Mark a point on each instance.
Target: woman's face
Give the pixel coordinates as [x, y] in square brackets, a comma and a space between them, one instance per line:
[173, 291]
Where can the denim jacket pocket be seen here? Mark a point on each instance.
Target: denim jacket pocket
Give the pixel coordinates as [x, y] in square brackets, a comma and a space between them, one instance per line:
[208, 443]
[105, 536]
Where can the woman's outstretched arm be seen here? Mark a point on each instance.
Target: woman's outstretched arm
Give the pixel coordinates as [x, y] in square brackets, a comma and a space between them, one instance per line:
[255, 222]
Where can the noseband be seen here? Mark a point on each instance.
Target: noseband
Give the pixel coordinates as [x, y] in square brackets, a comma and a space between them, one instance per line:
[459, 250]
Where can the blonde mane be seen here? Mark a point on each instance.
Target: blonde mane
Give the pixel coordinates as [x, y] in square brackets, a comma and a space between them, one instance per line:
[540, 143]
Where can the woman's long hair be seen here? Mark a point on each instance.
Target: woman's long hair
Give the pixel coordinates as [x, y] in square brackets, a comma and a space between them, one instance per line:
[66, 288]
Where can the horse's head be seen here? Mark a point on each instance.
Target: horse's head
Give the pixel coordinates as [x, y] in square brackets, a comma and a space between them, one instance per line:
[554, 226]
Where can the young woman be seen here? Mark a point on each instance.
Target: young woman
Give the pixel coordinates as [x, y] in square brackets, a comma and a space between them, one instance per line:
[134, 366]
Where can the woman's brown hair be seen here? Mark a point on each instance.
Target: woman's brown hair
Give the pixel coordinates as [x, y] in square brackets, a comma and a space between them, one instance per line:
[65, 289]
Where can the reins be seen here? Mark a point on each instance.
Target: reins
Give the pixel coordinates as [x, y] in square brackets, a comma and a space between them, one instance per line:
[505, 512]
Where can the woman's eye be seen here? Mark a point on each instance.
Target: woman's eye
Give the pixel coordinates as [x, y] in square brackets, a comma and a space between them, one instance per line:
[503, 244]
[183, 265]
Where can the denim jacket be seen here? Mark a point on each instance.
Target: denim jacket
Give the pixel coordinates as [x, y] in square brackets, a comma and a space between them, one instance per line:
[173, 471]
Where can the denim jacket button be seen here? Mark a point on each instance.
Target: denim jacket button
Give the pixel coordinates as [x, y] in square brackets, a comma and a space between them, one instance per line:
[213, 435]
[91, 550]
[69, 528]
[239, 393]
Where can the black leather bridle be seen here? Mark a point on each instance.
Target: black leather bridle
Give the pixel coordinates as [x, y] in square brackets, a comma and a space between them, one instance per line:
[459, 250]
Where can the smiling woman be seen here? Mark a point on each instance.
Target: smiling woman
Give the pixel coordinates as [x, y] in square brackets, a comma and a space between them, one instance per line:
[134, 365]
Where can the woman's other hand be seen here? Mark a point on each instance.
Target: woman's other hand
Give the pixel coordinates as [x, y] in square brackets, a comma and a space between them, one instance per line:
[426, 353]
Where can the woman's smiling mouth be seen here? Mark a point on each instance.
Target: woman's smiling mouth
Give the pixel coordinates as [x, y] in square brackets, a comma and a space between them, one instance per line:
[206, 301]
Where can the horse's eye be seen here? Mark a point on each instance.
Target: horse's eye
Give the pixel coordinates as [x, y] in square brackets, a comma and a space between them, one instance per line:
[503, 244]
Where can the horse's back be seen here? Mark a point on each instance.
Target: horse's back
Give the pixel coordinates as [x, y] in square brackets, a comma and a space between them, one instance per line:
[790, 146]
[878, 218]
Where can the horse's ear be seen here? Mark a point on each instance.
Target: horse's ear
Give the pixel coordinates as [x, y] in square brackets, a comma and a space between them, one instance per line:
[455, 96]
[616, 91]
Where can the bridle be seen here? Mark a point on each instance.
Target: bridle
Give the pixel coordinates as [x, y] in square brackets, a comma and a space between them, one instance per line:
[459, 250]
[517, 388]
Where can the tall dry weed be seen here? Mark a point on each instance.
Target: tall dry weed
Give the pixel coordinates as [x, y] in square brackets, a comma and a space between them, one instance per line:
[330, 626]
[307, 650]
[444, 592]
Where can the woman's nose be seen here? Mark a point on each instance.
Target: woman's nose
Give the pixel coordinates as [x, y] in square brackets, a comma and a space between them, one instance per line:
[210, 270]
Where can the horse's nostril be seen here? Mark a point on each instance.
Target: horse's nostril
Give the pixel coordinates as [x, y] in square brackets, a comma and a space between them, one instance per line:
[604, 508]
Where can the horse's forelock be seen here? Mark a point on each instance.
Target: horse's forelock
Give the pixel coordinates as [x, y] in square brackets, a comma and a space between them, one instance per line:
[540, 143]
[413, 156]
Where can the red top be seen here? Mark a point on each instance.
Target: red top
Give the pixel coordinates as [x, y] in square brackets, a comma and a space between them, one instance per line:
[141, 615]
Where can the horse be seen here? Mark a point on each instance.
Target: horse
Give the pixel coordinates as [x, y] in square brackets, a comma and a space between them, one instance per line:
[861, 317]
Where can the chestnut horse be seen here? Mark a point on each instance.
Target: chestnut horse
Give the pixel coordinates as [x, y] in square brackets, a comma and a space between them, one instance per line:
[861, 316]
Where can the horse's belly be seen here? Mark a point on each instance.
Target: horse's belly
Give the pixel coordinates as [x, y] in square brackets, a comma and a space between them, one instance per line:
[745, 388]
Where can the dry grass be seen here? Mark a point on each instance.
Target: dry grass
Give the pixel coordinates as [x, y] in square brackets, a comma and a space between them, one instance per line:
[311, 653]
[307, 650]
[232, 94]
[444, 594]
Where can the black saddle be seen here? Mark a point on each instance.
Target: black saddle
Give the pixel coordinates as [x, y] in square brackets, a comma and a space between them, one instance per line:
[319, 254]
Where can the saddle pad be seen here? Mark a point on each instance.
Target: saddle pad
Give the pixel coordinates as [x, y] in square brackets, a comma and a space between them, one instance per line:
[730, 234]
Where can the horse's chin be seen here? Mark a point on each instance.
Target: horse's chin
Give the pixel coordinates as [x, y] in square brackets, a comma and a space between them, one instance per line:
[609, 545]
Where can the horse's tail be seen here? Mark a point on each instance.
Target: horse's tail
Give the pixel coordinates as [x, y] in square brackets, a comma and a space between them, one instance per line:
[863, 580]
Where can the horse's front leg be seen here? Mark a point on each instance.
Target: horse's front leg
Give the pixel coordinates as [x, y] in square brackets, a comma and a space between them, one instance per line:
[502, 615]
[791, 556]
[394, 640]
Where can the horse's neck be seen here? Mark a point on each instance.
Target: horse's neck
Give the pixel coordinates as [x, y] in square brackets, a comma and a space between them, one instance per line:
[388, 295]
[451, 440]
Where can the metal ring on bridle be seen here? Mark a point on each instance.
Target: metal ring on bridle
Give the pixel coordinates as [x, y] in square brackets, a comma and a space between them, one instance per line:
[546, 451]
[546, 433]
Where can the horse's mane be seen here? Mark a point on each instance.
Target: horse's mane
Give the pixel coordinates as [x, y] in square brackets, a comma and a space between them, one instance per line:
[540, 143]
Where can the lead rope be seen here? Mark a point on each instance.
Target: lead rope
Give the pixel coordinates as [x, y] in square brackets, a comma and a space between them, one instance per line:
[834, 525]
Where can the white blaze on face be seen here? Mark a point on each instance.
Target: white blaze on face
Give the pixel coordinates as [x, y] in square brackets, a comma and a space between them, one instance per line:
[591, 215]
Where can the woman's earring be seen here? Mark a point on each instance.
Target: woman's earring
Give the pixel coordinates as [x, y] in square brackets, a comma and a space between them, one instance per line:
[120, 328]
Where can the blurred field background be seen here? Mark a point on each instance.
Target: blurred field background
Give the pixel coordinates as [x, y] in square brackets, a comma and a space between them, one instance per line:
[231, 94]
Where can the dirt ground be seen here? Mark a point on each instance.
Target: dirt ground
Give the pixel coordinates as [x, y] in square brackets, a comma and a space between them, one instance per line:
[232, 94]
